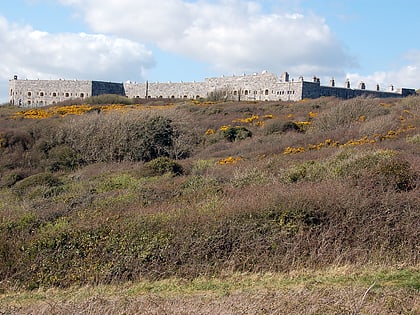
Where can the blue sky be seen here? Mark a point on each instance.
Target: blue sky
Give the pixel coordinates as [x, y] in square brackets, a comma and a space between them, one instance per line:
[374, 41]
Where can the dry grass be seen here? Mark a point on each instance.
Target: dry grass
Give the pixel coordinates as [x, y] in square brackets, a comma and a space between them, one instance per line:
[194, 235]
[342, 290]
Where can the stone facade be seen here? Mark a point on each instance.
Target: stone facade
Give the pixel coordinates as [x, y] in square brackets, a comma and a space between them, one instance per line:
[37, 93]
[256, 87]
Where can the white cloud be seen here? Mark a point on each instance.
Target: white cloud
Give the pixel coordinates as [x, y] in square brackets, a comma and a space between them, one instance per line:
[36, 54]
[407, 75]
[231, 35]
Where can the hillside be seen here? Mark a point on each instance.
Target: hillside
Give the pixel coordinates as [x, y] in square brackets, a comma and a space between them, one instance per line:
[309, 206]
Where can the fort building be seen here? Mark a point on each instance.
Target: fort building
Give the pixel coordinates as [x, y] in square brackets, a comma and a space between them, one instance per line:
[262, 86]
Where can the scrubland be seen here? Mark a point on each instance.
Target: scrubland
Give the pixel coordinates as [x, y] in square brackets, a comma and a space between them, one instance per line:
[197, 207]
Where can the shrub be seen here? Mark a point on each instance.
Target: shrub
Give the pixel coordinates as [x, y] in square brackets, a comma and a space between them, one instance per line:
[163, 165]
[415, 139]
[62, 158]
[395, 174]
[347, 113]
[108, 99]
[26, 185]
[218, 95]
[279, 126]
[236, 133]
[119, 137]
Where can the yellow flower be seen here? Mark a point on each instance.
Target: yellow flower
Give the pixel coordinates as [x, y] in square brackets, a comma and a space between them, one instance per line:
[293, 150]
[229, 160]
[210, 132]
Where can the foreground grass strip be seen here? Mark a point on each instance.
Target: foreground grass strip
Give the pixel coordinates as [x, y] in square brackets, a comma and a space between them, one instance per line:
[339, 278]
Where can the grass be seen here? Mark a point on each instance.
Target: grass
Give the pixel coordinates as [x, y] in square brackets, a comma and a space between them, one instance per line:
[151, 212]
[343, 280]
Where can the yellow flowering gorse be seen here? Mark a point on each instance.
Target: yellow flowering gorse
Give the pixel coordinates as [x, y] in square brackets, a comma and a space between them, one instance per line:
[229, 160]
[62, 111]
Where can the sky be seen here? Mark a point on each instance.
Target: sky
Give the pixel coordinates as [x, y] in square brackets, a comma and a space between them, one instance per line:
[374, 41]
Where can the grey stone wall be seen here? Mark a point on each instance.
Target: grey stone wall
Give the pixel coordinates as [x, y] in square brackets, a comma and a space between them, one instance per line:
[256, 87]
[35, 93]
[260, 87]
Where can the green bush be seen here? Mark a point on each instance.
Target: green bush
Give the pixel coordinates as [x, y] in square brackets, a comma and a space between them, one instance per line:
[278, 126]
[163, 165]
[62, 158]
[32, 182]
[236, 133]
[395, 174]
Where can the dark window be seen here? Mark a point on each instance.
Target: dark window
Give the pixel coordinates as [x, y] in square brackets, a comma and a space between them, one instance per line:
[29, 93]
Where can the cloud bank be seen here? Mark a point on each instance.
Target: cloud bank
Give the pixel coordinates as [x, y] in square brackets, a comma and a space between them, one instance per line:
[229, 35]
[37, 54]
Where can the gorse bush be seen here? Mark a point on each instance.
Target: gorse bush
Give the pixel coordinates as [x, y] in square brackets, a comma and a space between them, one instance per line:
[163, 165]
[102, 138]
[235, 133]
[279, 126]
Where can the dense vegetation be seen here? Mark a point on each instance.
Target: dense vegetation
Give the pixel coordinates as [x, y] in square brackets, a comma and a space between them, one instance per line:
[104, 194]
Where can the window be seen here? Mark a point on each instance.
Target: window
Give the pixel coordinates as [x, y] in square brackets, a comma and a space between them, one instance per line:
[246, 92]
[41, 93]
[11, 92]
[82, 95]
[266, 92]
[66, 94]
[29, 94]
[54, 94]
[235, 92]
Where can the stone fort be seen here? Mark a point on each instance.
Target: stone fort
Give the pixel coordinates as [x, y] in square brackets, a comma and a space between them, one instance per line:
[262, 86]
